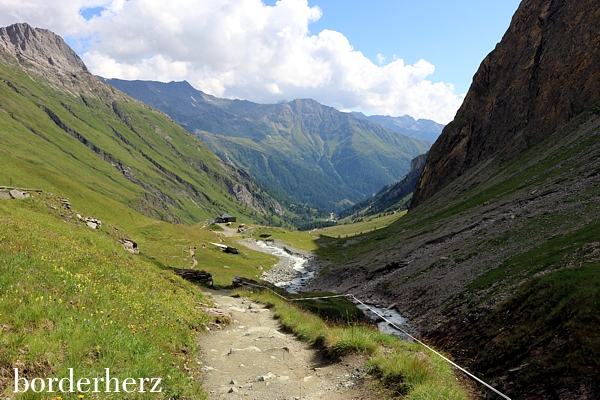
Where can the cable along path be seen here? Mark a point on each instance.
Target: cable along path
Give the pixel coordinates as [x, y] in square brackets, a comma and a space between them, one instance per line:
[301, 371]
[252, 358]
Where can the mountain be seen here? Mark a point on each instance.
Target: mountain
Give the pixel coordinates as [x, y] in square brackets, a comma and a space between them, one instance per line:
[425, 129]
[308, 152]
[538, 78]
[391, 198]
[497, 260]
[63, 128]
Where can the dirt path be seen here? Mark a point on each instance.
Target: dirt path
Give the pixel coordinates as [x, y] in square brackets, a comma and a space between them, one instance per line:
[253, 359]
[228, 231]
[193, 257]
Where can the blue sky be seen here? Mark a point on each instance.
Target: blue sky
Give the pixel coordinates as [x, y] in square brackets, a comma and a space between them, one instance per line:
[455, 36]
[391, 57]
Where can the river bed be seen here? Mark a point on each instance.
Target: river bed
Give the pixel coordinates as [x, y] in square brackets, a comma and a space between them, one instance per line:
[295, 269]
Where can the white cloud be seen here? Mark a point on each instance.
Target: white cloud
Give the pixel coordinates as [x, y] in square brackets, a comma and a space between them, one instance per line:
[61, 16]
[241, 48]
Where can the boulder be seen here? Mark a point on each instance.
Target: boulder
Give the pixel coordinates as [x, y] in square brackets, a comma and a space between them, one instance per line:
[16, 194]
[130, 246]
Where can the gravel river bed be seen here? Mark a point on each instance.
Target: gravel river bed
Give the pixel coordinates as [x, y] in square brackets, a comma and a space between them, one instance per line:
[296, 268]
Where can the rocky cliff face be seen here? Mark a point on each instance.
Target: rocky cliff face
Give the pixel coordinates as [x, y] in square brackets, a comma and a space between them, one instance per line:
[43, 53]
[418, 163]
[544, 72]
[40, 49]
[395, 196]
[498, 265]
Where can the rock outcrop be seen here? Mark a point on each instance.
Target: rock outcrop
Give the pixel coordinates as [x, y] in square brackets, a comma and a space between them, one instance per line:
[40, 49]
[545, 71]
[399, 190]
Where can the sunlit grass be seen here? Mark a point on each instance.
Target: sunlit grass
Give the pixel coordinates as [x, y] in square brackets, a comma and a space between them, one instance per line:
[298, 239]
[406, 368]
[368, 224]
[70, 297]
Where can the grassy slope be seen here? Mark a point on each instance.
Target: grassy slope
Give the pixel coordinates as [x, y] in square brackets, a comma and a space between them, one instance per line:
[37, 153]
[177, 178]
[70, 297]
[309, 241]
[363, 225]
[359, 164]
[523, 173]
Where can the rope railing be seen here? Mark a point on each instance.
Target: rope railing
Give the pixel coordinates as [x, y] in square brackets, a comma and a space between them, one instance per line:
[352, 297]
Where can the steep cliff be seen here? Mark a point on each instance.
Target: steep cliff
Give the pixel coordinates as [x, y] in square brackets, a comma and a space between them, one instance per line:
[40, 49]
[542, 74]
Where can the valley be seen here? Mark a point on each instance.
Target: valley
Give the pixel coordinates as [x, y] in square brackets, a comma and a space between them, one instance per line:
[301, 150]
[487, 241]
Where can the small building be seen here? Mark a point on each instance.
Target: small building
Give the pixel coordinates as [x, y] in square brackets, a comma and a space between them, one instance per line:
[225, 218]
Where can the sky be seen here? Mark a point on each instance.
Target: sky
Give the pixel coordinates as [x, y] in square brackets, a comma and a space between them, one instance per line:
[386, 57]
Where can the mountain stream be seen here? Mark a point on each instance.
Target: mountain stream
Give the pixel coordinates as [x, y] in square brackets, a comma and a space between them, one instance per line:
[296, 268]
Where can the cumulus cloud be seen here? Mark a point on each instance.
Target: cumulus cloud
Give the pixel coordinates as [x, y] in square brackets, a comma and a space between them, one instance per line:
[62, 16]
[243, 49]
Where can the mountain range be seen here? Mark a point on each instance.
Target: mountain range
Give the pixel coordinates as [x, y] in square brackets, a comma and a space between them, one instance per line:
[65, 130]
[497, 259]
[425, 129]
[305, 151]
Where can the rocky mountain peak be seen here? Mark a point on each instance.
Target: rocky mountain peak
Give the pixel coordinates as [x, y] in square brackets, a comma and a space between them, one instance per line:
[40, 49]
[545, 71]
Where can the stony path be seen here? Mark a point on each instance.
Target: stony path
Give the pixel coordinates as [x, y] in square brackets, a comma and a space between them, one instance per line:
[253, 359]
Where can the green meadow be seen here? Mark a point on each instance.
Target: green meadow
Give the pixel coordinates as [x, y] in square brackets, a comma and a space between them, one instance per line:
[71, 297]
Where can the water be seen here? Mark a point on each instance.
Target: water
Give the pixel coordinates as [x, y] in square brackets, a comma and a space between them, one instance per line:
[392, 315]
[294, 280]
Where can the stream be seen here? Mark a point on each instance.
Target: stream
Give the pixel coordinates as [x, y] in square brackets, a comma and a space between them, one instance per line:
[294, 270]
